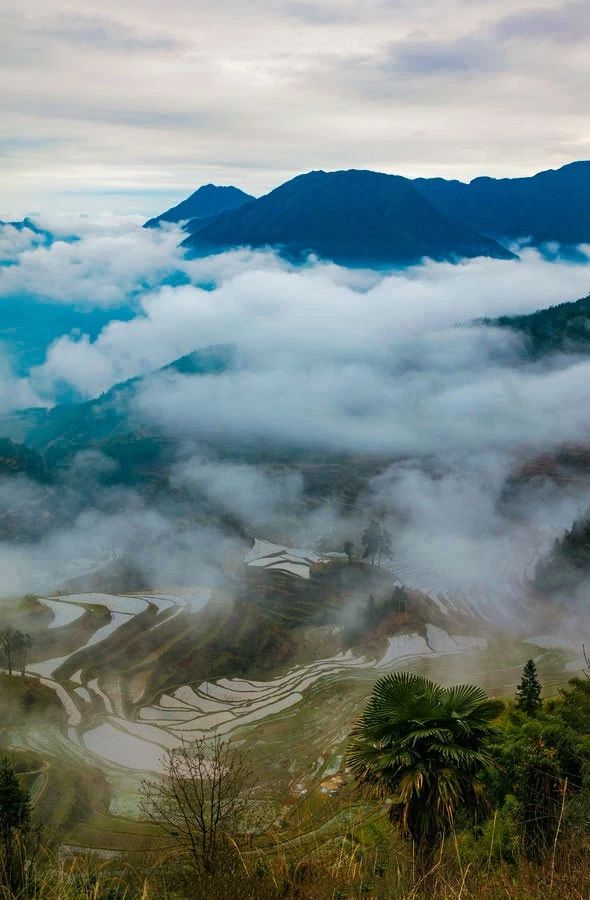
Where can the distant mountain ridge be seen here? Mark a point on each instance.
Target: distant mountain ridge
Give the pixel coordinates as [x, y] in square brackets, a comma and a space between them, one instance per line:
[353, 217]
[209, 200]
[551, 206]
[21, 224]
[27, 224]
[369, 218]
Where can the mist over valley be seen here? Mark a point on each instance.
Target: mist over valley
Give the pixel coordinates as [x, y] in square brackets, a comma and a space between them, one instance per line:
[246, 474]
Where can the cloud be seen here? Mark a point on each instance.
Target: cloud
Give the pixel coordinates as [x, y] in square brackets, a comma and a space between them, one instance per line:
[380, 370]
[464, 55]
[15, 392]
[80, 525]
[457, 527]
[314, 13]
[567, 24]
[107, 266]
[254, 495]
[290, 319]
[14, 241]
[102, 32]
[145, 96]
[343, 407]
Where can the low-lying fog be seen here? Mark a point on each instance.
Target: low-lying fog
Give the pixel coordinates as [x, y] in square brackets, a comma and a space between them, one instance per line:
[346, 363]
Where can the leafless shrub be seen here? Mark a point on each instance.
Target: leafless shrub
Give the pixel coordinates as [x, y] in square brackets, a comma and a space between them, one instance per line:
[205, 802]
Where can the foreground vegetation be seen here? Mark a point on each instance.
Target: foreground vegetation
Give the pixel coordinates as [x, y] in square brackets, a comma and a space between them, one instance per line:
[465, 797]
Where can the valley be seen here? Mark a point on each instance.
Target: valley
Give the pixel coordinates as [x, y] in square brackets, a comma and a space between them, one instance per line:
[123, 705]
[288, 477]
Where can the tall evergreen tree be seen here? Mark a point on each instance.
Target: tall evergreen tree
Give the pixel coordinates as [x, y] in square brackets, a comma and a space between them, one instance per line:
[15, 824]
[528, 692]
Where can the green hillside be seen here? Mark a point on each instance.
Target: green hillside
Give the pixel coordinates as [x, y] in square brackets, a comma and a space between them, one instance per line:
[564, 327]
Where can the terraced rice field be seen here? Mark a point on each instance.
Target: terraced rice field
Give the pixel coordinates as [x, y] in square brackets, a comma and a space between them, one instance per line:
[307, 709]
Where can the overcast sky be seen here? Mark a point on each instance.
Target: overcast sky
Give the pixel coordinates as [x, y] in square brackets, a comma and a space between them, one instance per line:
[131, 105]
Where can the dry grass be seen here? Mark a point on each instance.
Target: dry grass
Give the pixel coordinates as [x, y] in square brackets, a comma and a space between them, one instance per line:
[340, 871]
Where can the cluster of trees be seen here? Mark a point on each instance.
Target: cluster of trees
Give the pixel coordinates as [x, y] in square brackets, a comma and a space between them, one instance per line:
[569, 561]
[367, 616]
[375, 541]
[17, 458]
[375, 612]
[444, 758]
[562, 327]
[15, 646]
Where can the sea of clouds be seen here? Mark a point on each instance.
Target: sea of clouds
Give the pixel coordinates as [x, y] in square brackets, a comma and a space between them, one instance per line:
[391, 364]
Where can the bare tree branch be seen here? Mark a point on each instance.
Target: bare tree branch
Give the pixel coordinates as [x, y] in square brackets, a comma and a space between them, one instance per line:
[204, 801]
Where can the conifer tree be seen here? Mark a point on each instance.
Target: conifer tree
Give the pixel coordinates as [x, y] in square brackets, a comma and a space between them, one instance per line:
[15, 823]
[528, 692]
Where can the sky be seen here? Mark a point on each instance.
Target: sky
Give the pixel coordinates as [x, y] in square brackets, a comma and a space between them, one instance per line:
[131, 106]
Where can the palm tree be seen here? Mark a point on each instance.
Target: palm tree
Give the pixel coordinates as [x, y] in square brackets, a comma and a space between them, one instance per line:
[422, 747]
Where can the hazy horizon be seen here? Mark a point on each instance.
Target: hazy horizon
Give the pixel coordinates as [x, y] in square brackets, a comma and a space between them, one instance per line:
[130, 108]
[147, 203]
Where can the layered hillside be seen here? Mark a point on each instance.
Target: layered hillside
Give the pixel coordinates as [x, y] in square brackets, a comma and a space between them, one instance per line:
[63, 430]
[16, 459]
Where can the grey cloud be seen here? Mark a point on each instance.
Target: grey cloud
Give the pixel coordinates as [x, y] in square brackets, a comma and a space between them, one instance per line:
[359, 409]
[104, 33]
[486, 47]
[463, 55]
[453, 527]
[569, 23]
[322, 13]
[96, 110]
[96, 525]
[255, 495]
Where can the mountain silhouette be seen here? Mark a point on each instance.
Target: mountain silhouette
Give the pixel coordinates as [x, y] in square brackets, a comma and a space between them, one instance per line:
[208, 200]
[353, 217]
[550, 206]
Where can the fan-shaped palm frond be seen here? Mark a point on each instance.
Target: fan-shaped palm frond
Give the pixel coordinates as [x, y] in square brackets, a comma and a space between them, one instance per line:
[423, 746]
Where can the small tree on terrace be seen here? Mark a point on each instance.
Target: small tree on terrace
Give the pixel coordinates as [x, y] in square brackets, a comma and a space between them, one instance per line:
[528, 692]
[370, 540]
[384, 545]
[9, 639]
[23, 643]
[205, 802]
[376, 542]
[348, 549]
